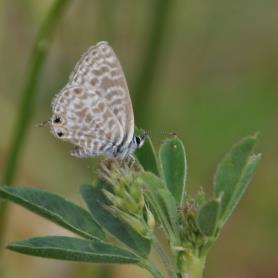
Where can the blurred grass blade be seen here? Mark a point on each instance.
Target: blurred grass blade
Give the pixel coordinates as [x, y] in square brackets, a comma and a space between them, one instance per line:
[160, 11]
[207, 218]
[73, 249]
[25, 111]
[174, 167]
[96, 203]
[233, 175]
[147, 156]
[55, 209]
[106, 18]
[162, 204]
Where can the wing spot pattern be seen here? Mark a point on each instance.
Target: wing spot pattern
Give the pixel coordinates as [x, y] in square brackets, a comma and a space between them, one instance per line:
[96, 103]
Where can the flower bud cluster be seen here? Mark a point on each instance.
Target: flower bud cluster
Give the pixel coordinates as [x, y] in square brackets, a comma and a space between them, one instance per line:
[124, 191]
[191, 236]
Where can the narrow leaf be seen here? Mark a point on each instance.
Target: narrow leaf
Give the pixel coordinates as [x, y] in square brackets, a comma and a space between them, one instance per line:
[55, 209]
[170, 208]
[208, 216]
[73, 249]
[147, 156]
[96, 203]
[243, 184]
[174, 167]
[155, 181]
[162, 204]
[230, 175]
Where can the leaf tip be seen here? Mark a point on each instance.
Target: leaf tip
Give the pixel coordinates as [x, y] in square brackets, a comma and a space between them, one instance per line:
[12, 246]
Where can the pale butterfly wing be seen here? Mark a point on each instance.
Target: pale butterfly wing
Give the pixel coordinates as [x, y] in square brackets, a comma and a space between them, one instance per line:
[100, 71]
[82, 117]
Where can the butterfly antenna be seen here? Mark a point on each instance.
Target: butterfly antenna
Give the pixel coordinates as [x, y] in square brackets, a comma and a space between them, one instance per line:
[43, 124]
[146, 134]
[169, 133]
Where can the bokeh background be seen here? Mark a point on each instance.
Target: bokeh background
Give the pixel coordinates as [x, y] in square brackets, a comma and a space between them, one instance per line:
[211, 76]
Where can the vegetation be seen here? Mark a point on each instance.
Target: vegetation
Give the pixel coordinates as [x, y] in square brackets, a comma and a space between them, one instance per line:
[136, 202]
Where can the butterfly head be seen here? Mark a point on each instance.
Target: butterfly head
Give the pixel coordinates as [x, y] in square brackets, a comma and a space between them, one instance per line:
[140, 139]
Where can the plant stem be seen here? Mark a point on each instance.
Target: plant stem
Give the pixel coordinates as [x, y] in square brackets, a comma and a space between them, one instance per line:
[164, 258]
[146, 72]
[191, 266]
[151, 268]
[196, 268]
[29, 91]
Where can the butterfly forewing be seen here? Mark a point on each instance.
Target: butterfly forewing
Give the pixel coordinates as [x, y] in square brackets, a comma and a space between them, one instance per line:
[100, 71]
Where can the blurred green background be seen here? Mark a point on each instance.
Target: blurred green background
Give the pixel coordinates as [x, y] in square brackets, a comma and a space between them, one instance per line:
[211, 78]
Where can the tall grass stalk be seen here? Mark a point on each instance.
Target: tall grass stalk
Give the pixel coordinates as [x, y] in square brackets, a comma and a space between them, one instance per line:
[106, 20]
[29, 92]
[146, 72]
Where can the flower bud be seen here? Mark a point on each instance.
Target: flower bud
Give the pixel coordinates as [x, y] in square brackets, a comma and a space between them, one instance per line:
[133, 222]
[116, 201]
[150, 219]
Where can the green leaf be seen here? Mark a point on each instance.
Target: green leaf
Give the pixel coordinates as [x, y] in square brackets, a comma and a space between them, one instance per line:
[174, 167]
[243, 183]
[73, 249]
[162, 204]
[233, 176]
[170, 209]
[155, 181]
[54, 208]
[96, 203]
[147, 156]
[207, 217]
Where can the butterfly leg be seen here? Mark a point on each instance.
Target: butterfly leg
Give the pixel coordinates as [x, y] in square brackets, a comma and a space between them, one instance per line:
[130, 159]
[133, 163]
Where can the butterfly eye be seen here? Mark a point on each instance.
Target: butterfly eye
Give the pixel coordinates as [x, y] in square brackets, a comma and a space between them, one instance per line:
[138, 140]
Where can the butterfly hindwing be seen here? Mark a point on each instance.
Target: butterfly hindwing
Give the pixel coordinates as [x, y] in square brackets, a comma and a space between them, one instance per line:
[81, 117]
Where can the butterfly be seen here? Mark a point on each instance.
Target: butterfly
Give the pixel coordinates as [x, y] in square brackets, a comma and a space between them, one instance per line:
[94, 110]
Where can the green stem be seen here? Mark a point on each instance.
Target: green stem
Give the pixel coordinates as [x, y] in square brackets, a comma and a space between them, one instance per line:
[191, 266]
[142, 87]
[29, 91]
[164, 258]
[151, 268]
